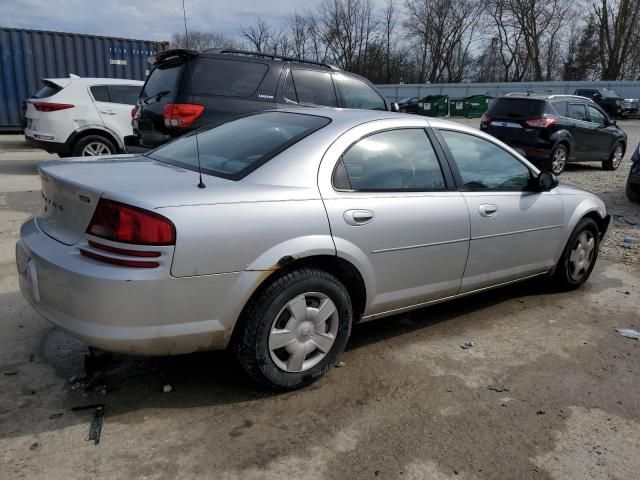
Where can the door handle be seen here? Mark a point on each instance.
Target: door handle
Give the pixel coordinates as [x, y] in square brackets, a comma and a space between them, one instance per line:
[108, 112]
[488, 210]
[358, 217]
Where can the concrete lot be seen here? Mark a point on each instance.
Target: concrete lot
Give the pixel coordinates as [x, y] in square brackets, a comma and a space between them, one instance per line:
[408, 403]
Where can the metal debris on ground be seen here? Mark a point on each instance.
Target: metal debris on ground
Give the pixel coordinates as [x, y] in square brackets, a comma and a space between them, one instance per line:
[11, 373]
[339, 364]
[629, 333]
[467, 345]
[167, 389]
[56, 415]
[498, 387]
[95, 429]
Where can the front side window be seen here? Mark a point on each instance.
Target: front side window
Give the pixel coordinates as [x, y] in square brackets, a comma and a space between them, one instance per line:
[390, 161]
[125, 94]
[357, 94]
[485, 166]
[236, 148]
[577, 111]
[312, 87]
[596, 115]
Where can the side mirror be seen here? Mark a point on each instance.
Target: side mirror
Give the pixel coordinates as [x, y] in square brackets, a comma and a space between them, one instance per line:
[612, 122]
[547, 181]
[395, 107]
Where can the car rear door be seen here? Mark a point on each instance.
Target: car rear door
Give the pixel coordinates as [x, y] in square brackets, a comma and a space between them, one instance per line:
[394, 212]
[515, 231]
[114, 104]
[581, 130]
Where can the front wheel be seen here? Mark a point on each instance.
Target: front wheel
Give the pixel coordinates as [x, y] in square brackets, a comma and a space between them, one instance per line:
[294, 331]
[614, 161]
[579, 255]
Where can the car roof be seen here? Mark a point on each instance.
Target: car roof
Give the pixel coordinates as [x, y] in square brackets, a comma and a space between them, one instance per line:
[545, 96]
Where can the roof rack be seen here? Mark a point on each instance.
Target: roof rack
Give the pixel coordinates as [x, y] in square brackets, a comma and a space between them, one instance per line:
[269, 55]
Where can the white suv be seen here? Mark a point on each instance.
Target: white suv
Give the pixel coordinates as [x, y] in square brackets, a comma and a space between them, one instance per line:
[81, 116]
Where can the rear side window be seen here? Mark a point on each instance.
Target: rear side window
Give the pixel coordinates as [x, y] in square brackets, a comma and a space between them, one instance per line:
[126, 94]
[560, 108]
[357, 94]
[48, 89]
[100, 93]
[577, 111]
[236, 148]
[390, 161]
[164, 80]
[310, 86]
[227, 78]
[516, 108]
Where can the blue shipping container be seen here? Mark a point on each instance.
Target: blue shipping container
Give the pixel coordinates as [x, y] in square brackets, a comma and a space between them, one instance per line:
[28, 56]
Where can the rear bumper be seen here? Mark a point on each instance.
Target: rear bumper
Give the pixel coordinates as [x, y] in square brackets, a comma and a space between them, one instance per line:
[119, 309]
[131, 145]
[49, 146]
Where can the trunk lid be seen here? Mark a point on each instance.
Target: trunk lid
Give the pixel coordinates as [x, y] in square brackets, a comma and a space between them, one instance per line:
[508, 117]
[71, 189]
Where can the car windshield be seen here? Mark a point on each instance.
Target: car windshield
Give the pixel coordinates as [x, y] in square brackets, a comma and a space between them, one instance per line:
[235, 149]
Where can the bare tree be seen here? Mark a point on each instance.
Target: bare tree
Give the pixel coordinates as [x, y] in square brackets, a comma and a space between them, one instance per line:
[198, 40]
[259, 34]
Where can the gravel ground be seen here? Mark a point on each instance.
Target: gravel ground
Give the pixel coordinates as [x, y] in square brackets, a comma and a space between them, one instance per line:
[610, 187]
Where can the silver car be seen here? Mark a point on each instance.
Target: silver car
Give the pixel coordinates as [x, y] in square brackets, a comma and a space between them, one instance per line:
[305, 222]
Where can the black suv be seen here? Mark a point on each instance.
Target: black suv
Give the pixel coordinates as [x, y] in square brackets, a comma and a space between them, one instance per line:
[633, 181]
[551, 130]
[189, 89]
[610, 101]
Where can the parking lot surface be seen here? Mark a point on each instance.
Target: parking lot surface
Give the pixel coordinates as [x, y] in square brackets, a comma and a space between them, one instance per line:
[408, 402]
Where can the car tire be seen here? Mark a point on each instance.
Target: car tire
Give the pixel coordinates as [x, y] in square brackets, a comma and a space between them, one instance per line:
[558, 160]
[633, 192]
[579, 256]
[99, 144]
[273, 333]
[615, 159]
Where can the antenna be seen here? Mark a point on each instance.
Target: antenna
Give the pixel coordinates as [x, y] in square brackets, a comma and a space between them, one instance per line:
[201, 184]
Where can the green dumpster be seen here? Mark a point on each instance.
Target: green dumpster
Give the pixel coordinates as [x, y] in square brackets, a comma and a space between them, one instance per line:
[434, 106]
[470, 107]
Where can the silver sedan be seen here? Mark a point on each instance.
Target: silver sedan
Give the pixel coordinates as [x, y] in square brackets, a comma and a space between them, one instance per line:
[304, 222]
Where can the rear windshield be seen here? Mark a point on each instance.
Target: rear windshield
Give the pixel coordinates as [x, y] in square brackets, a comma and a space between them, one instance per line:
[235, 149]
[48, 89]
[516, 108]
[228, 78]
[164, 80]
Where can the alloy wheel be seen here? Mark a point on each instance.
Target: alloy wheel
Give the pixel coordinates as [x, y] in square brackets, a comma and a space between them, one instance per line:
[303, 332]
[617, 157]
[559, 161]
[95, 148]
[582, 255]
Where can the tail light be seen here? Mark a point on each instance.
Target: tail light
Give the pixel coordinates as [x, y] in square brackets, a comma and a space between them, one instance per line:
[134, 110]
[181, 115]
[123, 223]
[486, 118]
[51, 106]
[542, 122]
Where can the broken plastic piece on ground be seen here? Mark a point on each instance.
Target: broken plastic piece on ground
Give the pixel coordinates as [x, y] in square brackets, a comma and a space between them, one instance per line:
[629, 333]
[628, 239]
[498, 387]
[467, 345]
[167, 388]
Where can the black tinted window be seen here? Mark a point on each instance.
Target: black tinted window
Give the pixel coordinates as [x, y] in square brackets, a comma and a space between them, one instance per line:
[561, 108]
[314, 87]
[48, 90]
[228, 78]
[393, 160]
[357, 94]
[485, 166]
[516, 108]
[163, 81]
[100, 93]
[289, 91]
[577, 111]
[234, 149]
[127, 94]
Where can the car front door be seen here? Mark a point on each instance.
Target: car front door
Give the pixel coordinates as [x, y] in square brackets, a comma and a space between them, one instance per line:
[515, 230]
[601, 138]
[395, 213]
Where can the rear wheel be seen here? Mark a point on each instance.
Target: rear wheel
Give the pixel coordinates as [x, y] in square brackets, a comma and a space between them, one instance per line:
[558, 159]
[633, 191]
[579, 256]
[293, 332]
[94, 145]
[614, 161]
